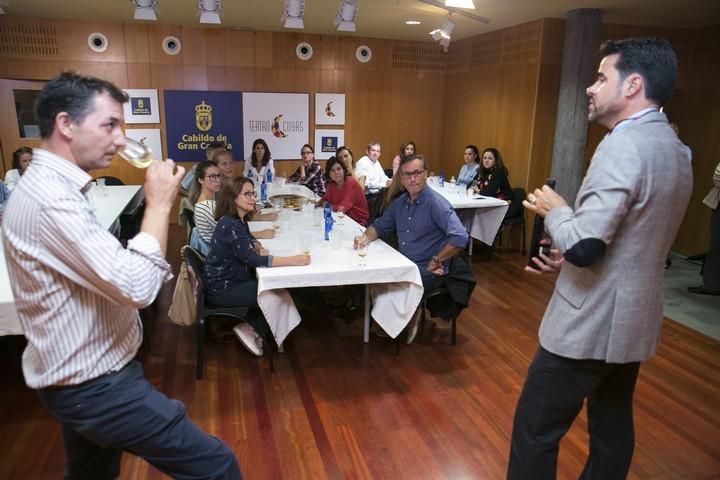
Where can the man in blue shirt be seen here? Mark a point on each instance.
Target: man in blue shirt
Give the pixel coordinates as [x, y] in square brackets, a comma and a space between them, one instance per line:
[428, 230]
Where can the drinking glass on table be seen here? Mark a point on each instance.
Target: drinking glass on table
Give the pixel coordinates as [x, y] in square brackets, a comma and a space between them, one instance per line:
[136, 154]
[340, 214]
[362, 252]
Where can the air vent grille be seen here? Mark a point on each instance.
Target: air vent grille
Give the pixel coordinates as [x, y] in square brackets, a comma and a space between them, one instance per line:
[430, 58]
[28, 40]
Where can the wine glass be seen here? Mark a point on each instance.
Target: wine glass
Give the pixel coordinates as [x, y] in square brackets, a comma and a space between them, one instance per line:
[137, 154]
[340, 214]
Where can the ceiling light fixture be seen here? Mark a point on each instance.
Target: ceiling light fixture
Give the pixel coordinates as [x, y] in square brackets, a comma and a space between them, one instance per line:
[468, 4]
[209, 11]
[346, 16]
[145, 9]
[457, 11]
[443, 34]
[412, 22]
[292, 16]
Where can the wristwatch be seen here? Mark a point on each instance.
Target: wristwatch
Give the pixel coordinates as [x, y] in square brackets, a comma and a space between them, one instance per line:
[435, 258]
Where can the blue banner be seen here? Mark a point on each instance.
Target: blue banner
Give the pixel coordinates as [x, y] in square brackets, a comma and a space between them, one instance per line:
[193, 119]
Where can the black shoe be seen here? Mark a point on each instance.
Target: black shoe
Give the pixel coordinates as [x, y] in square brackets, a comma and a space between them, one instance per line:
[701, 290]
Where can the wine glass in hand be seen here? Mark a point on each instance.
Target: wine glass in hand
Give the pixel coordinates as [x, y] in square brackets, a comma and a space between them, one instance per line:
[137, 154]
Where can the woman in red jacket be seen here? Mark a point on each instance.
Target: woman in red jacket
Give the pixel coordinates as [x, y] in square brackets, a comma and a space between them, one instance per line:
[344, 191]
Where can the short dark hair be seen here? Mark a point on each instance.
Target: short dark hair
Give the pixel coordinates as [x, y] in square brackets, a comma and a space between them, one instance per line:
[331, 163]
[16, 157]
[72, 93]
[266, 157]
[653, 58]
[225, 205]
[307, 145]
[403, 161]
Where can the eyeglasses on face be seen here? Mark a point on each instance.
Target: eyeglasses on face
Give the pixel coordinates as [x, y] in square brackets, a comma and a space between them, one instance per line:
[306, 152]
[249, 195]
[415, 174]
[215, 176]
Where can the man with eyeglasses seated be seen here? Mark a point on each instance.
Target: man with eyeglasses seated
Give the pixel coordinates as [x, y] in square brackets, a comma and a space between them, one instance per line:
[428, 230]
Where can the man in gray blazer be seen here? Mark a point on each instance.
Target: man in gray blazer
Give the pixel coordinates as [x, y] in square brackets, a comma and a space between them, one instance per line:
[605, 314]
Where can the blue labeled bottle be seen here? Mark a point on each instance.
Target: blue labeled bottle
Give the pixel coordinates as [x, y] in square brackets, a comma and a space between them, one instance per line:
[268, 176]
[263, 191]
[327, 213]
[441, 180]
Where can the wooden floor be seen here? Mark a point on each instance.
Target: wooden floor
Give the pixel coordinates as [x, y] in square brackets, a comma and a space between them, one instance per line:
[337, 408]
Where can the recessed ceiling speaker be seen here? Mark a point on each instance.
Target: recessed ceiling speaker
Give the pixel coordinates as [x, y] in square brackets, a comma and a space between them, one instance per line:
[304, 51]
[171, 45]
[98, 42]
[363, 54]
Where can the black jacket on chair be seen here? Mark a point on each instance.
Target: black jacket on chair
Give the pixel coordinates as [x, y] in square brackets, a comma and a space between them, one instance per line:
[460, 283]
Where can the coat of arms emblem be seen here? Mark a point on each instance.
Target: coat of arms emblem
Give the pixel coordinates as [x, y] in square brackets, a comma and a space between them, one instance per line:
[203, 116]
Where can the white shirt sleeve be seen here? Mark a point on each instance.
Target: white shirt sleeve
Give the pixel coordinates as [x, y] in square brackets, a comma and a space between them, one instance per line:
[11, 178]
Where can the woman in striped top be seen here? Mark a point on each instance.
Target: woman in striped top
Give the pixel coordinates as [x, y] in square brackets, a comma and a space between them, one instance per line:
[208, 181]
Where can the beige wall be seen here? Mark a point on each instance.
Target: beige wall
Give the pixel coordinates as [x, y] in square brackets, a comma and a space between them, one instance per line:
[499, 89]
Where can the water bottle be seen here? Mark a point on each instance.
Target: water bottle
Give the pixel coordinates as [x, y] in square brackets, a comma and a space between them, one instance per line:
[441, 180]
[263, 191]
[327, 213]
[268, 175]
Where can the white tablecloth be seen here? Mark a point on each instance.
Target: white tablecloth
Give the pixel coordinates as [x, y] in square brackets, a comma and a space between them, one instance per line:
[481, 216]
[395, 284]
[108, 208]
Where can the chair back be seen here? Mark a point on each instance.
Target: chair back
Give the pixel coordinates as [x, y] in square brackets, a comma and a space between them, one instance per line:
[516, 211]
[189, 217]
[196, 268]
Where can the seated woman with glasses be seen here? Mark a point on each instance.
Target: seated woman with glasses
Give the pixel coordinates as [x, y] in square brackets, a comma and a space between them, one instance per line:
[234, 255]
[208, 181]
[492, 176]
[344, 192]
[309, 173]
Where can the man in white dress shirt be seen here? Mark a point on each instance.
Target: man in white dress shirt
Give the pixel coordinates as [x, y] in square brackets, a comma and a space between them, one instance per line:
[369, 167]
[77, 292]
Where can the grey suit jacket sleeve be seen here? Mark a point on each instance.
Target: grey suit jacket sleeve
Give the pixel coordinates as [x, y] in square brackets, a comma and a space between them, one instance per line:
[612, 184]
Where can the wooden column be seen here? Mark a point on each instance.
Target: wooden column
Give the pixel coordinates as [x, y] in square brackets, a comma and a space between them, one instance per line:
[579, 64]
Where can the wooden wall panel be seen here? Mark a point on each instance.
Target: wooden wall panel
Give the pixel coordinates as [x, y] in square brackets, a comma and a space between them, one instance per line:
[240, 48]
[137, 43]
[241, 79]
[410, 119]
[138, 75]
